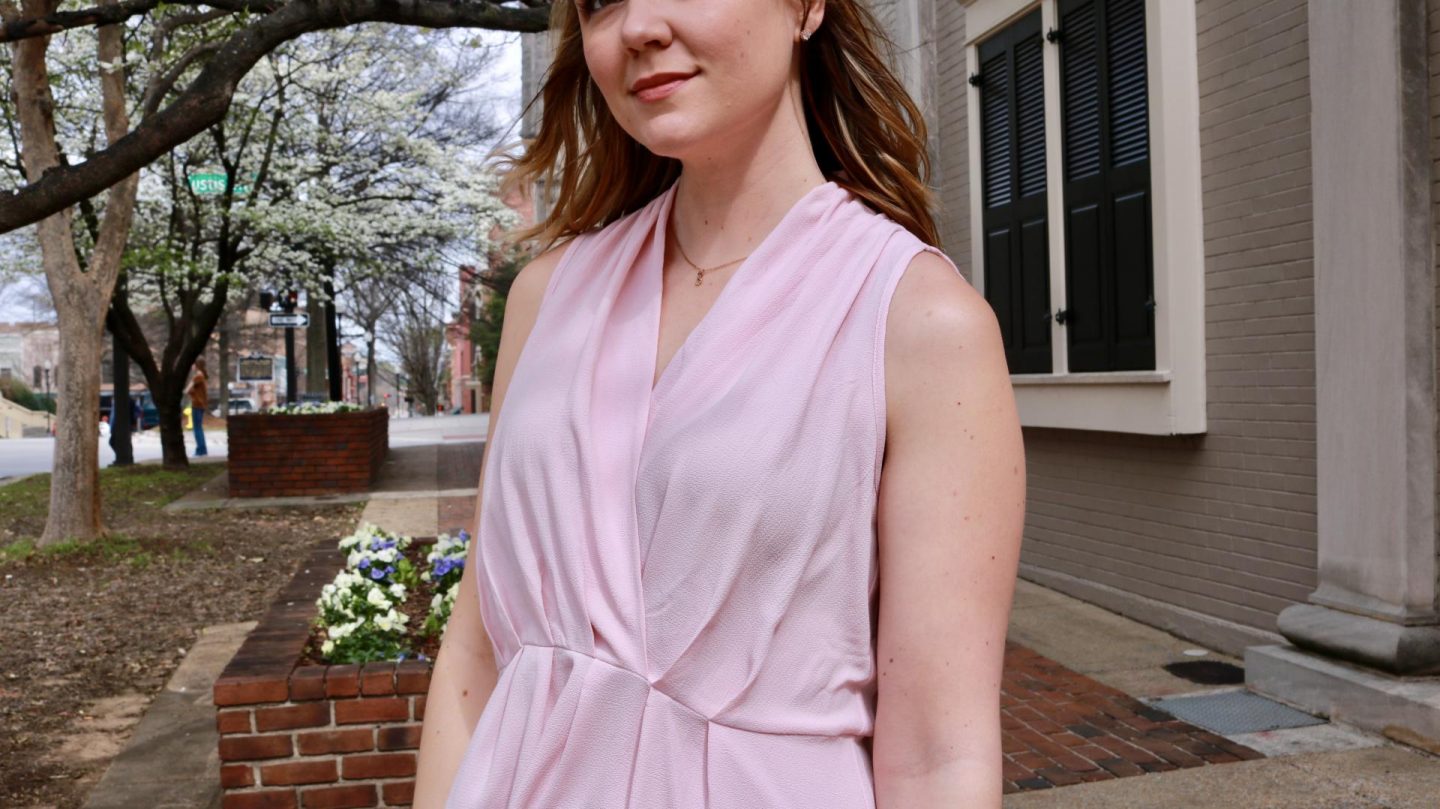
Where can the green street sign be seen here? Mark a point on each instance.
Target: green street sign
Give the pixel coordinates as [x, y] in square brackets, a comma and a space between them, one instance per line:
[213, 185]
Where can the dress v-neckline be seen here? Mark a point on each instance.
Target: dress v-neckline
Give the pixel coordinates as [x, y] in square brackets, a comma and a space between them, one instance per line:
[656, 269]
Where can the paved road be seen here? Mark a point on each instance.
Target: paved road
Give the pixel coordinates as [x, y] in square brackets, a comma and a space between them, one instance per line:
[25, 456]
[410, 432]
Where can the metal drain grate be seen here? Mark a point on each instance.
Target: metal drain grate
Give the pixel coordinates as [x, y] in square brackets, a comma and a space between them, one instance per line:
[1235, 712]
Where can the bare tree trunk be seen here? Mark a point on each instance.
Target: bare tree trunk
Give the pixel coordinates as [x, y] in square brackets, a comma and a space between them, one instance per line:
[370, 371]
[315, 359]
[171, 409]
[224, 363]
[81, 297]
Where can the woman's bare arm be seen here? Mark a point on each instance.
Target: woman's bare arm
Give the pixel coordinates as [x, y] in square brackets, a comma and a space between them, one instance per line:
[951, 516]
[464, 672]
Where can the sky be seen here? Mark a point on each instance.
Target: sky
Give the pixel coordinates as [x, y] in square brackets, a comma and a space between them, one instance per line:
[504, 89]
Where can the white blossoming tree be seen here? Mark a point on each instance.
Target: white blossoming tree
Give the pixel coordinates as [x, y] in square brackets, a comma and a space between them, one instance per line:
[342, 171]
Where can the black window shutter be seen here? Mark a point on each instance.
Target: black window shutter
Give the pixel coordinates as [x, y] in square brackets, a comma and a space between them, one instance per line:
[1110, 321]
[1012, 147]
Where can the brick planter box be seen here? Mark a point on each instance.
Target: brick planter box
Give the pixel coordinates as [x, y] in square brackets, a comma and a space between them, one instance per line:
[274, 455]
[296, 737]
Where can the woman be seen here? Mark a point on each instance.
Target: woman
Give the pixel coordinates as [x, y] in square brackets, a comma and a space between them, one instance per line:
[749, 525]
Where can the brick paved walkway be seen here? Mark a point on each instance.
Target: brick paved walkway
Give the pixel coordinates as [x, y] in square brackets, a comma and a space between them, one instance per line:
[1061, 727]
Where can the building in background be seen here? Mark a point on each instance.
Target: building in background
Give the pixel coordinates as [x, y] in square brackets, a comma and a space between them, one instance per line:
[26, 350]
[463, 393]
[466, 392]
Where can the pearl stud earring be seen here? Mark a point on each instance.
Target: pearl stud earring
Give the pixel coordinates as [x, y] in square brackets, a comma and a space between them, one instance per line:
[805, 35]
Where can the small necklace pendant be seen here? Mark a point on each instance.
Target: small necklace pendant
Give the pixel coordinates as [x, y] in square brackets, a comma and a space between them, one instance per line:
[698, 276]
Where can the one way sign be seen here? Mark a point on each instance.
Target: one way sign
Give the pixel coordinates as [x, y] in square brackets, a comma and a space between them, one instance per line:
[290, 320]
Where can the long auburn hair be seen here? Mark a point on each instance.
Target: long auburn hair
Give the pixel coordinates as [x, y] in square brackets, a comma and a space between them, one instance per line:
[868, 135]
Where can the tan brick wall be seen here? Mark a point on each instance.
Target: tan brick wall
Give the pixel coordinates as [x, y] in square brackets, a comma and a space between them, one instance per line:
[1222, 524]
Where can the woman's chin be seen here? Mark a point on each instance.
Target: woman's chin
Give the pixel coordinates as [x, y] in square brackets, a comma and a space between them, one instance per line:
[669, 141]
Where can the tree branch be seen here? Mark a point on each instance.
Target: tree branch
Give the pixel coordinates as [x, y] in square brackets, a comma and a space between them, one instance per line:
[205, 100]
[17, 29]
[161, 85]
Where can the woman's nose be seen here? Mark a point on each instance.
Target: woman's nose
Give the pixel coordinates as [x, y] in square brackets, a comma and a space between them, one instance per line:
[645, 24]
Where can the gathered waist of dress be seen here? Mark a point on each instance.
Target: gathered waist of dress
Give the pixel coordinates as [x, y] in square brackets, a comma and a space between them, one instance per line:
[675, 701]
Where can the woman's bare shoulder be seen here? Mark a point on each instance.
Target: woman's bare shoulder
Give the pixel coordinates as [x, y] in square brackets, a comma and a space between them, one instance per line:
[940, 328]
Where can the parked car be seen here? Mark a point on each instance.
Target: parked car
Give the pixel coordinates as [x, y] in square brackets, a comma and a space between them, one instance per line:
[241, 406]
[149, 416]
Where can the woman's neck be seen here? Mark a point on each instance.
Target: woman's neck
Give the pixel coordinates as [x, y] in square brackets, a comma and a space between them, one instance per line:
[727, 202]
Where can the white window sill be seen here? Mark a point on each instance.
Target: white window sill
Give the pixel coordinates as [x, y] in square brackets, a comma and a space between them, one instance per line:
[1139, 402]
[1107, 378]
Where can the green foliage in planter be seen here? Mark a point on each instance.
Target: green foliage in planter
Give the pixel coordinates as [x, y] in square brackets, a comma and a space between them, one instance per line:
[360, 610]
[447, 565]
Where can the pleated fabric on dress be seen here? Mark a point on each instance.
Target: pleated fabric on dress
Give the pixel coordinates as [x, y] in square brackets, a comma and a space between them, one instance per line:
[680, 583]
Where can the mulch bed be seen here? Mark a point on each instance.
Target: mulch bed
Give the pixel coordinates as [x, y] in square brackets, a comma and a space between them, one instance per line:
[115, 617]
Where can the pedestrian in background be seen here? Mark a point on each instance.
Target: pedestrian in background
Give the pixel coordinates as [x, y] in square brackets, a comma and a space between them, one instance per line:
[199, 401]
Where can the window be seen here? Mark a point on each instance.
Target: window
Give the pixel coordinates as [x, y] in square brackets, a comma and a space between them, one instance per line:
[1090, 254]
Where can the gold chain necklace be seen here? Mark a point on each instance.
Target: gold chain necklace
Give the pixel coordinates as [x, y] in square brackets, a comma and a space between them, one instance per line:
[700, 271]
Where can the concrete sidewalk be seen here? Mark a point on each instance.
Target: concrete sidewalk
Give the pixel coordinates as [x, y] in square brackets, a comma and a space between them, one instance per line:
[422, 490]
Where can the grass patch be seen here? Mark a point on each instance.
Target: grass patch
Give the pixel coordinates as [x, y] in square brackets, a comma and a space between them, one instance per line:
[26, 498]
[110, 549]
[125, 492]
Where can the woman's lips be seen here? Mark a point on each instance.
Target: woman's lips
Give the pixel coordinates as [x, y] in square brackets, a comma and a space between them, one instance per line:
[660, 91]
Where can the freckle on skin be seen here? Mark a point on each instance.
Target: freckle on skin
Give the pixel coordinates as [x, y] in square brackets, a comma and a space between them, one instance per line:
[465, 692]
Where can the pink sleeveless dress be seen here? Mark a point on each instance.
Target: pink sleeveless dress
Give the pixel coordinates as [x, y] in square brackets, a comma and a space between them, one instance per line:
[680, 583]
